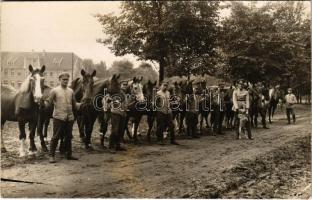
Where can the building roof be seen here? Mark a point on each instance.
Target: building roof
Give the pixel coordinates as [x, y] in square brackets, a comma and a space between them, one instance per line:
[52, 60]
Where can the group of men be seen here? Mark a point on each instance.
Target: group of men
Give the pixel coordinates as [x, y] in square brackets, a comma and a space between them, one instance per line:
[63, 100]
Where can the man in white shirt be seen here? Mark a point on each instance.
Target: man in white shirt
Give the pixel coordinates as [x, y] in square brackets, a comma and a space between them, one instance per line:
[164, 114]
[290, 100]
[63, 100]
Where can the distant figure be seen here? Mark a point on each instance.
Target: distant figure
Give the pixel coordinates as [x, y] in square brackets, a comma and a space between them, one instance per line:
[290, 100]
[241, 103]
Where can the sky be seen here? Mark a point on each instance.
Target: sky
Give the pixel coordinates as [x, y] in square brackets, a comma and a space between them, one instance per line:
[58, 27]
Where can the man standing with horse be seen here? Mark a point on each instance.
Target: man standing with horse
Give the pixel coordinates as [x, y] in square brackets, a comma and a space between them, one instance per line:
[62, 98]
[164, 114]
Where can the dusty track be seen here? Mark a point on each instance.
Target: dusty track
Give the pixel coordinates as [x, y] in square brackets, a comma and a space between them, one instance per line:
[275, 164]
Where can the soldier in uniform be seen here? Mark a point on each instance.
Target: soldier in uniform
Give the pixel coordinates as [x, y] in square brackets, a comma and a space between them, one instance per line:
[118, 113]
[290, 100]
[63, 100]
[241, 103]
[191, 115]
[218, 108]
[164, 114]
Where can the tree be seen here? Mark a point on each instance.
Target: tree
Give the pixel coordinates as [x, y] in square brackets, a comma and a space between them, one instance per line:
[123, 67]
[147, 71]
[264, 43]
[174, 34]
[101, 70]
[88, 65]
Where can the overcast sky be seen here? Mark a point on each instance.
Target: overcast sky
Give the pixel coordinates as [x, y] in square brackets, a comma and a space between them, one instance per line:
[57, 27]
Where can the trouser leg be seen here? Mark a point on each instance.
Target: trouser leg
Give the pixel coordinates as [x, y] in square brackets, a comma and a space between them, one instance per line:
[288, 114]
[58, 126]
[171, 127]
[160, 126]
[68, 138]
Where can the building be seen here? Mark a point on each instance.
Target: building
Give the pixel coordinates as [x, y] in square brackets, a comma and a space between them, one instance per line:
[14, 66]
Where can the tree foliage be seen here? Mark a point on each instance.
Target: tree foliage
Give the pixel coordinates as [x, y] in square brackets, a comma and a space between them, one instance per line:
[266, 43]
[178, 34]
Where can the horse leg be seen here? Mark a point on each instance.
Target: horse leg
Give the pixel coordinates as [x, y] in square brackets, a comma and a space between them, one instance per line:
[126, 129]
[3, 149]
[150, 120]
[270, 112]
[81, 127]
[46, 127]
[273, 109]
[42, 142]
[22, 138]
[41, 123]
[104, 125]
[201, 121]
[32, 132]
[135, 128]
[89, 129]
[182, 115]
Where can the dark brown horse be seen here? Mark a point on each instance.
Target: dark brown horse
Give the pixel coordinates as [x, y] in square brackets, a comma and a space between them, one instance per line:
[22, 106]
[92, 107]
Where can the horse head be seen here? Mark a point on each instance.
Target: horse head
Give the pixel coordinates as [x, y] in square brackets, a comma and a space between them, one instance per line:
[135, 88]
[114, 85]
[34, 83]
[87, 85]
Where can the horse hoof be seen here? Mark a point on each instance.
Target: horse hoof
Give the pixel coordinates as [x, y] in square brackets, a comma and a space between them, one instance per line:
[3, 150]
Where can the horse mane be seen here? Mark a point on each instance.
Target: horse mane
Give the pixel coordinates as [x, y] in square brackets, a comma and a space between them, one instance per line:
[74, 83]
[25, 85]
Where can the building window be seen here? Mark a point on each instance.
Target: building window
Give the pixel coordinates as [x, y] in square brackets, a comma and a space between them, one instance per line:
[12, 72]
[6, 82]
[19, 83]
[10, 63]
[51, 73]
[19, 73]
[5, 72]
[55, 61]
[12, 83]
[51, 83]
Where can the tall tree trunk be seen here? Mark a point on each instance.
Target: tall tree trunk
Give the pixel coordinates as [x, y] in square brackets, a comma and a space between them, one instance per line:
[161, 70]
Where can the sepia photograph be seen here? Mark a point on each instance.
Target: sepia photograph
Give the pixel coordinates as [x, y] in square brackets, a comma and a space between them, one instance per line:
[156, 99]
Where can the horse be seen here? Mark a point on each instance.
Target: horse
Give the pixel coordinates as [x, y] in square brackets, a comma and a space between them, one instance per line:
[149, 91]
[22, 106]
[137, 106]
[275, 98]
[92, 107]
[229, 112]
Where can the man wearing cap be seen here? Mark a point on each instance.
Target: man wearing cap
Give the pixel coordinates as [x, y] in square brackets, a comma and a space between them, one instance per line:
[218, 107]
[191, 115]
[290, 100]
[118, 110]
[63, 100]
[164, 114]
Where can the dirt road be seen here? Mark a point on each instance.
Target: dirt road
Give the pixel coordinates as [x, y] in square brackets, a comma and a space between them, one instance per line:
[276, 164]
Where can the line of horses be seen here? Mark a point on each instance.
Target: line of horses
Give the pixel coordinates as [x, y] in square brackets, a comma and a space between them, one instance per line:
[25, 106]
